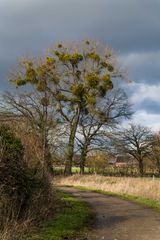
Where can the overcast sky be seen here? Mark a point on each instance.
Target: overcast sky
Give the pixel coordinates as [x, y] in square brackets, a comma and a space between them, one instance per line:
[131, 27]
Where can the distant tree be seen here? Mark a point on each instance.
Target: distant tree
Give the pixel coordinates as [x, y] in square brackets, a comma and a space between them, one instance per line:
[135, 140]
[97, 160]
[77, 77]
[94, 128]
[155, 156]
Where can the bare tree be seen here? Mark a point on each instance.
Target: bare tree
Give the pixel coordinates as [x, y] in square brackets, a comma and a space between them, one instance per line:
[94, 129]
[135, 140]
[36, 109]
[156, 151]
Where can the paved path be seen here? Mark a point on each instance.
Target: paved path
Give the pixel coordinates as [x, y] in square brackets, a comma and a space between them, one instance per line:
[119, 219]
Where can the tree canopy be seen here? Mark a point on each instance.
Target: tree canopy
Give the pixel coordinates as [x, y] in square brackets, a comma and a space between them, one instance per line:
[75, 78]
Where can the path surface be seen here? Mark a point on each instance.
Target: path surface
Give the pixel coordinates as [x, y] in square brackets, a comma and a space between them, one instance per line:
[119, 219]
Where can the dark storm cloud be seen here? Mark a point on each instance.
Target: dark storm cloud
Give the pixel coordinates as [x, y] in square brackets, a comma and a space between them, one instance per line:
[126, 25]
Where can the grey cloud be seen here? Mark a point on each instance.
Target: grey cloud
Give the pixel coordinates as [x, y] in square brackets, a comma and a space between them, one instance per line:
[150, 106]
[144, 67]
[126, 25]
[4, 68]
[144, 97]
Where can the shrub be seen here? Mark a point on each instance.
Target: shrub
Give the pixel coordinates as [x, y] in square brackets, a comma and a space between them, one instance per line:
[22, 192]
[11, 147]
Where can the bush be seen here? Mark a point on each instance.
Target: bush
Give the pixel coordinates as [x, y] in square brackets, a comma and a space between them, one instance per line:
[25, 198]
[14, 180]
[11, 147]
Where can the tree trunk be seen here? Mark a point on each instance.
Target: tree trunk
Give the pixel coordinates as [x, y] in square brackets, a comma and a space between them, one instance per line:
[83, 157]
[82, 163]
[141, 167]
[70, 147]
[69, 155]
[46, 154]
[46, 158]
[158, 166]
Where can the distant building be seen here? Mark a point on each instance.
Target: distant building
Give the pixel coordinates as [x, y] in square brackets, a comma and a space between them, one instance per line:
[122, 160]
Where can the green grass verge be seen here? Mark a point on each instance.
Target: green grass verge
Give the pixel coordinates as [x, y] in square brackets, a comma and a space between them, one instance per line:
[73, 220]
[138, 199]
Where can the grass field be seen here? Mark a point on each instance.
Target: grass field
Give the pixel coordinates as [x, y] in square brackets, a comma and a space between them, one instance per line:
[72, 220]
[148, 188]
[60, 170]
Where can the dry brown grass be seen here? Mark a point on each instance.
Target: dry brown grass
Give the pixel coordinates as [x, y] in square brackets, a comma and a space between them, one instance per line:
[15, 230]
[144, 187]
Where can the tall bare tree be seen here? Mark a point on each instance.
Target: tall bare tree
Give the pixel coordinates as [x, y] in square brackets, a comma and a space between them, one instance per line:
[36, 110]
[94, 128]
[135, 140]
